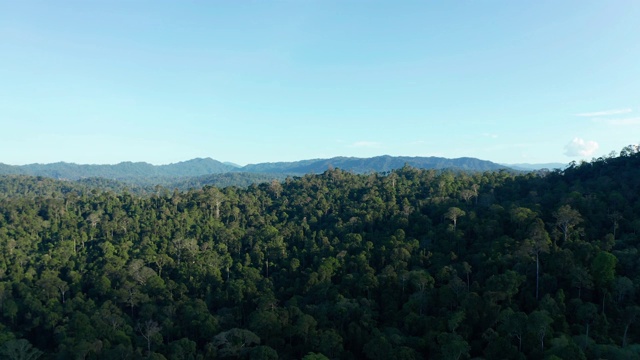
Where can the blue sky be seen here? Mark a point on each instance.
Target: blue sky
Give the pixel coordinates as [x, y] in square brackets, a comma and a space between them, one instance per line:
[260, 81]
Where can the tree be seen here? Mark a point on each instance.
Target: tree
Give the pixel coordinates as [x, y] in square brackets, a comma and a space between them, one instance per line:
[630, 315]
[235, 342]
[514, 324]
[453, 214]
[421, 281]
[139, 272]
[263, 353]
[467, 194]
[502, 287]
[19, 350]
[581, 278]
[378, 348]
[214, 197]
[130, 293]
[603, 268]
[615, 218]
[566, 219]
[51, 283]
[539, 324]
[522, 218]
[183, 349]
[330, 343]
[629, 150]
[538, 242]
[453, 346]
[587, 314]
[184, 247]
[276, 188]
[466, 268]
[455, 320]
[149, 329]
[264, 323]
[475, 188]
[305, 326]
[622, 288]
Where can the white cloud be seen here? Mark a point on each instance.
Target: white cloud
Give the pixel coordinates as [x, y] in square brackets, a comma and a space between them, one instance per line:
[605, 113]
[580, 147]
[366, 144]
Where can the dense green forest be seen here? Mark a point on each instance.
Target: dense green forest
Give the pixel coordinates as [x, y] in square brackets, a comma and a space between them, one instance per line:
[19, 185]
[409, 264]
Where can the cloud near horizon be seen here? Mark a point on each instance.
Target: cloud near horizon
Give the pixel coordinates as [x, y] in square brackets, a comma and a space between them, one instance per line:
[605, 113]
[580, 147]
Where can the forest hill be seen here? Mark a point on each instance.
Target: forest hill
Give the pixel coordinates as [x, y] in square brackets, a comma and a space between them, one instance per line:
[409, 264]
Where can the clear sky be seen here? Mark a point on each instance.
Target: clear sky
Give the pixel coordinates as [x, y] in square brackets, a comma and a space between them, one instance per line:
[99, 82]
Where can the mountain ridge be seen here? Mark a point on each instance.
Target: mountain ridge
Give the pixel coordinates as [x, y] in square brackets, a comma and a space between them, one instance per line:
[122, 170]
[208, 166]
[531, 167]
[377, 164]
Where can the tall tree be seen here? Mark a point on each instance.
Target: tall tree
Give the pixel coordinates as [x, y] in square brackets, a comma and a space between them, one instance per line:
[603, 268]
[539, 323]
[566, 219]
[149, 330]
[538, 242]
[453, 214]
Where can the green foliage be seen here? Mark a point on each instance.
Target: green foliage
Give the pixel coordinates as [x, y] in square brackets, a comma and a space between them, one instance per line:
[263, 353]
[408, 264]
[19, 350]
[314, 356]
[603, 268]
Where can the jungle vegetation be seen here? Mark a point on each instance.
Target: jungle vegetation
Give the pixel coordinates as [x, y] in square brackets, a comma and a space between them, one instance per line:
[407, 264]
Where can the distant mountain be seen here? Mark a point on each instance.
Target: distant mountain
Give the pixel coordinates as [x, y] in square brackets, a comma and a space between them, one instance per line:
[10, 169]
[200, 171]
[122, 171]
[374, 164]
[232, 164]
[530, 167]
[195, 167]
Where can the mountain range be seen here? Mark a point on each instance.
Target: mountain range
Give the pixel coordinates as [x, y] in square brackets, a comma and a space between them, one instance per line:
[200, 172]
[531, 167]
[208, 166]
